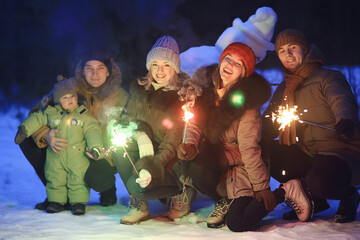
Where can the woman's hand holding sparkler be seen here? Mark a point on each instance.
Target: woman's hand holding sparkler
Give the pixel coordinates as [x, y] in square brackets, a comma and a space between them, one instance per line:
[144, 144]
[144, 178]
[187, 151]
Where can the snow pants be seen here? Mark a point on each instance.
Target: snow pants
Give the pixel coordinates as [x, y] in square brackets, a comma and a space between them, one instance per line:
[65, 175]
[99, 176]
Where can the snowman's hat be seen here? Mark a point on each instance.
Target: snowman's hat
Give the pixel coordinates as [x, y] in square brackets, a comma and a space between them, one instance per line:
[256, 32]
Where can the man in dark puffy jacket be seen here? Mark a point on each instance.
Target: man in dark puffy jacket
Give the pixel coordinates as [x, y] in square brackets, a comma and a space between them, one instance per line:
[324, 146]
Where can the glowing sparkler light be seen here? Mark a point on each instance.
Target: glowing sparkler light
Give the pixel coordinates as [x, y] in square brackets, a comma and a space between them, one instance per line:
[119, 137]
[187, 116]
[285, 116]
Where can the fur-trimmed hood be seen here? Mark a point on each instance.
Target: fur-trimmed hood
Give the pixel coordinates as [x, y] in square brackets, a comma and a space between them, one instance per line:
[112, 82]
[215, 116]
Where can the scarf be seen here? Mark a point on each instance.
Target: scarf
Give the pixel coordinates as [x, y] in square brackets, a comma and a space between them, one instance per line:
[313, 60]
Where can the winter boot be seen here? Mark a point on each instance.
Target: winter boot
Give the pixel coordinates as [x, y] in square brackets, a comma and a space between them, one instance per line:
[347, 208]
[180, 204]
[139, 211]
[216, 219]
[108, 198]
[298, 196]
[320, 204]
[78, 209]
[42, 206]
[54, 207]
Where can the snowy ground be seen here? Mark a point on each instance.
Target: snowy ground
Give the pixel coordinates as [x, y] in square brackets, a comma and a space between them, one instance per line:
[20, 190]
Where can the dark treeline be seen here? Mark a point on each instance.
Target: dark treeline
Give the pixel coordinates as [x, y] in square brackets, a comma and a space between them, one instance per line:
[41, 39]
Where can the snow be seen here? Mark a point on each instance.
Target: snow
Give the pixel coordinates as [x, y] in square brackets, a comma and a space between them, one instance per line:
[20, 190]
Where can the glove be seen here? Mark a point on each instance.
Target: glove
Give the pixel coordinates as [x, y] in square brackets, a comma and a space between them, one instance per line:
[268, 197]
[144, 144]
[345, 129]
[144, 178]
[187, 151]
[20, 135]
[95, 153]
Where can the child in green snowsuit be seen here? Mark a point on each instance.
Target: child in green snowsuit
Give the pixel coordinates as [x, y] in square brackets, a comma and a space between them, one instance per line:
[65, 170]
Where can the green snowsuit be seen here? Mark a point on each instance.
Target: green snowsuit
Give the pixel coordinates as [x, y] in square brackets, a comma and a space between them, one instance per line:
[65, 171]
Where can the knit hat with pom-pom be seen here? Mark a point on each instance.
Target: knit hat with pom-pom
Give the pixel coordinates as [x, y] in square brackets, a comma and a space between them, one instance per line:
[61, 88]
[244, 52]
[165, 49]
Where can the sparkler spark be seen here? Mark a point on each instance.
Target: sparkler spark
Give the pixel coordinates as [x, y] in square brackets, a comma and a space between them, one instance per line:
[187, 116]
[120, 136]
[285, 116]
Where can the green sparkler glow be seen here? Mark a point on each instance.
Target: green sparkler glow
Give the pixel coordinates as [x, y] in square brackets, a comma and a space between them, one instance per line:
[237, 99]
[121, 134]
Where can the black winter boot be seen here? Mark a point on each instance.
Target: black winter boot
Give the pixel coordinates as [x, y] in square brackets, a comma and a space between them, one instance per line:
[108, 198]
[54, 207]
[78, 209]
[42, 205]
[347, 208]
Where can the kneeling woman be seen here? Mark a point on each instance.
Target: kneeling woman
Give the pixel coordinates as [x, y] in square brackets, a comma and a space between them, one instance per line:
[228, 166]
[154, 104]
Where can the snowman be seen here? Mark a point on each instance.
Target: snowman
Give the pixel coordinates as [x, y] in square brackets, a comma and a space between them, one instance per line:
[256, 32]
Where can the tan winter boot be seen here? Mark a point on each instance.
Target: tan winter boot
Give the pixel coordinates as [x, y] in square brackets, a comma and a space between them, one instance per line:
[180, 204]
[297, 195]
[139, 211]
[216, 218]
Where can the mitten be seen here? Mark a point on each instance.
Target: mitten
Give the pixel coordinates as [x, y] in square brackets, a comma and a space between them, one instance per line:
[144, 178]
[20, 135]
[268, 197]
[144, 144]
[187, 151]
[345, 128]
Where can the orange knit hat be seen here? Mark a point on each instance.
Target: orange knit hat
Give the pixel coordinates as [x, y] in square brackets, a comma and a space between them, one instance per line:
[244, 52]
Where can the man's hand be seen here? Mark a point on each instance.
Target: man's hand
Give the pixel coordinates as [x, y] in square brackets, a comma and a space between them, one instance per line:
[20, 135]
[56, 144]
[345, 129]
[268, 197]
[144, 178]
[187, 151]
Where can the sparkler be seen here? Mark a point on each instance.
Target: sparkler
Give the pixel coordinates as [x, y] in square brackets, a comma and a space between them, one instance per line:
[187, 116]
[286, 115]
[119, 138]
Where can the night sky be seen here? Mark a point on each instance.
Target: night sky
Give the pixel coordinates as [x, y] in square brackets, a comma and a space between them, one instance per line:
[43, 38]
